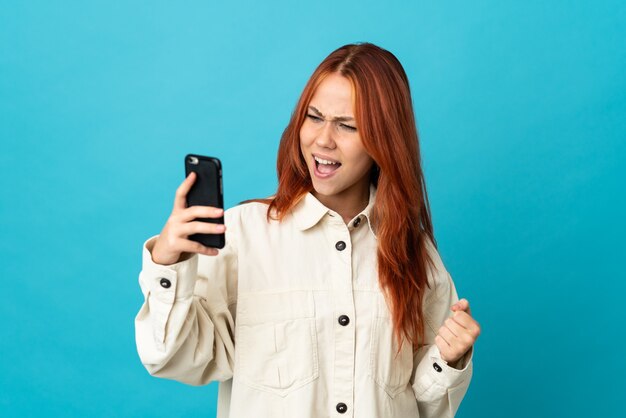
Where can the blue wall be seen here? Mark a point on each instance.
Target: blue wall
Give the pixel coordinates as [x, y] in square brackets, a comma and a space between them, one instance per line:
[521, 109]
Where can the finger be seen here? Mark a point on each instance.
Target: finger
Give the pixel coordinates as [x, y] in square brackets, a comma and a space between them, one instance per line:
[195, 212]
[445, 350]
[467, 322]
[461, 305]
[442, 344]
[457, 344]
[199, 227]
[447, 335]
[454, 327]
[195, 247]
[462, 318]
[180, 200]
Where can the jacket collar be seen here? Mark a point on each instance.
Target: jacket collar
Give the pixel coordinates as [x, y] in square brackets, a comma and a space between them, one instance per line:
[309, 211]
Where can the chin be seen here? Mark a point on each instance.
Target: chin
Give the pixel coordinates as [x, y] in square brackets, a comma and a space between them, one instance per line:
[326, 189]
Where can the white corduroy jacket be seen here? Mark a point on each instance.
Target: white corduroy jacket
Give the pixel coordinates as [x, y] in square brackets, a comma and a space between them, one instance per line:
[289, 317]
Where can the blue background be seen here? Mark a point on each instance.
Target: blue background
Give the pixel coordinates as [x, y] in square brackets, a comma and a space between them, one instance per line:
[521, 109]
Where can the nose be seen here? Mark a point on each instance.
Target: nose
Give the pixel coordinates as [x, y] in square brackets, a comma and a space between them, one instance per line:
[325, 136]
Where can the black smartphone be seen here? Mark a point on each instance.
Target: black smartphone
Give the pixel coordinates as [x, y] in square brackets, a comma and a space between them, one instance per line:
[207, 190]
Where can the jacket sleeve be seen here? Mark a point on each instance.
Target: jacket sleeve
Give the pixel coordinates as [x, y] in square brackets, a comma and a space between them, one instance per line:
[185, 328]
[439, 388]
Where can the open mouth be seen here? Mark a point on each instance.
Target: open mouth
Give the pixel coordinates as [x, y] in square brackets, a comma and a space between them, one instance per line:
[326, 166]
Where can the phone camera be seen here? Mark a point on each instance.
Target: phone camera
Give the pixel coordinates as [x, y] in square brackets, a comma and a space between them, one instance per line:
[193, 160]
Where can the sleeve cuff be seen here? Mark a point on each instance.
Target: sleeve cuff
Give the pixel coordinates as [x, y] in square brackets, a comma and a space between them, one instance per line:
[441, 372]
[462, 363]
[168, 282]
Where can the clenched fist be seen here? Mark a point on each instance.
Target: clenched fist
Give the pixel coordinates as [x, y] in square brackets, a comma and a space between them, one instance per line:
[458, 333]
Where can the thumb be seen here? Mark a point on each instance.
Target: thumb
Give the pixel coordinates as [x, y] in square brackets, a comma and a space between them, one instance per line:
[461, 305]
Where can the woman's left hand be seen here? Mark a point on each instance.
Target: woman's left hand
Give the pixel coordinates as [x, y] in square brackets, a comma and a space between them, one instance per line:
[458, 333]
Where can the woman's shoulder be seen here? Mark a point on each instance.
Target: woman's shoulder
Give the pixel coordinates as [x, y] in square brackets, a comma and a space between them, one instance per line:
[251, 205]
[249, 211]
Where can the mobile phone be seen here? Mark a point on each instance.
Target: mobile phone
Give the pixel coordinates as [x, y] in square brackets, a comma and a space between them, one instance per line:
[207, 190]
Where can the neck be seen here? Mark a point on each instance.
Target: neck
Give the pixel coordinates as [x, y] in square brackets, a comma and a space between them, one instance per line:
[348, 203]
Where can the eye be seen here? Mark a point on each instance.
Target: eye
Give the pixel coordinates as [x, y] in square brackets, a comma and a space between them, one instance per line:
[347, 127]
[314, 118]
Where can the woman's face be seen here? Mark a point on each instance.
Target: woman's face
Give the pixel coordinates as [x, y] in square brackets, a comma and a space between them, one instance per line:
[330, 142]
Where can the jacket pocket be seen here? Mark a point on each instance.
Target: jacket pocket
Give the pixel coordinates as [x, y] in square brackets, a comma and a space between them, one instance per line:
[276, 341]
[390, 371]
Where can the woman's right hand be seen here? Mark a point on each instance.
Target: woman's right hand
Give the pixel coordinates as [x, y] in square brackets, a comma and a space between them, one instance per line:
[173, 244]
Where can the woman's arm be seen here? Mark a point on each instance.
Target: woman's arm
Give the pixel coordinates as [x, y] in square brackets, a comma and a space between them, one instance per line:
[440, 386]
[185, 328]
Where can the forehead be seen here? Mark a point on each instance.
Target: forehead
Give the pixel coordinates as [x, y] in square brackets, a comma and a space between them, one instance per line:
[334, 96]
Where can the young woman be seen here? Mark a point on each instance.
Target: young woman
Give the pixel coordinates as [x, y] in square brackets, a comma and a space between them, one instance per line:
[329, 298]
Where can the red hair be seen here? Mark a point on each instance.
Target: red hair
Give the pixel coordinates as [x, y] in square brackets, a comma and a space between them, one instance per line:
[401, 213]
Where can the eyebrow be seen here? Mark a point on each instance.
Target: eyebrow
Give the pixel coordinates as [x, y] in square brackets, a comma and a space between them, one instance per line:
[337, 118]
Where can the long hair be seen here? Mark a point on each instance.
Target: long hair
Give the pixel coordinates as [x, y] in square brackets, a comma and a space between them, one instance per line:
[401, 213]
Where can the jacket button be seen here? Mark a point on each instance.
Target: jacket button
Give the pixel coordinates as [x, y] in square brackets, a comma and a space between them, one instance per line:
[340, 245]
[342, 408]
[165, 283]
[344, 320]
[357, 221]
[437, 367]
